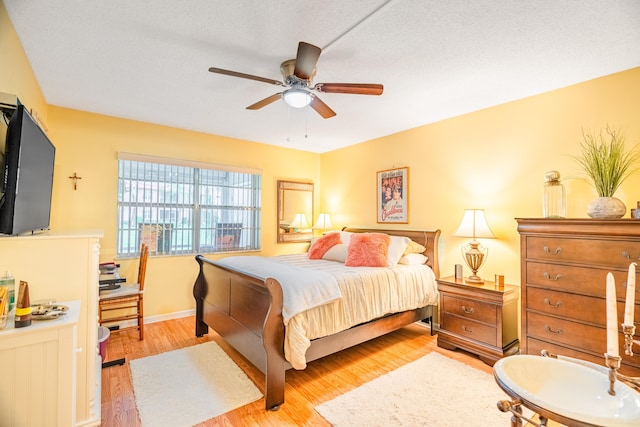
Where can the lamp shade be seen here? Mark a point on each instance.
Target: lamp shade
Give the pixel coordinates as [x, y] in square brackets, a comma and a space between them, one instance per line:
[323, 222]
[296, 98]
[474, 224]
[299, 221]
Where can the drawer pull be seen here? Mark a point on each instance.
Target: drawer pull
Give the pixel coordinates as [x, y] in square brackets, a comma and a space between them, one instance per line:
[464, 328]
[468, 310]
[547, 250]
[556, 305]
[557, 331]
[548, 276]
[627, 255]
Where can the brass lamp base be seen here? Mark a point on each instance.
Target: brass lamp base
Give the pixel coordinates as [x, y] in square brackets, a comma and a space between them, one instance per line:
[474, 256]
[474, 278]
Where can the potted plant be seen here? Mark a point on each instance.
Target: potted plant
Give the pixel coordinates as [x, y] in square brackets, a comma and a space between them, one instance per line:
[607, 163]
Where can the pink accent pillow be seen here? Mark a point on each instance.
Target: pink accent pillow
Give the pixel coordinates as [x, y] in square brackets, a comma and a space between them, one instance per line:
[323, 244]
[368, 250]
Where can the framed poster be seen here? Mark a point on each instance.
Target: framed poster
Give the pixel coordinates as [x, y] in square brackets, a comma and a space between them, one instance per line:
[392, 186]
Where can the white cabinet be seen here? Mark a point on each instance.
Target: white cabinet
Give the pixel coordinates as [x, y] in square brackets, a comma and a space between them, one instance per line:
[64, 267]
[38, 380]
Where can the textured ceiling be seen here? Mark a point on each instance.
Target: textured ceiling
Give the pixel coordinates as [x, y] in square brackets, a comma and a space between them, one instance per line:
[148, 60]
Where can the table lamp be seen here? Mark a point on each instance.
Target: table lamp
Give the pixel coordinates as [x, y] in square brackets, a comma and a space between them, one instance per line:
[474, 224]
[323, 223]
[299, 222]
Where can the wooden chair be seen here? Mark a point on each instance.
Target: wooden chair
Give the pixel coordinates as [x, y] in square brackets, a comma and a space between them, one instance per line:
[126, 300]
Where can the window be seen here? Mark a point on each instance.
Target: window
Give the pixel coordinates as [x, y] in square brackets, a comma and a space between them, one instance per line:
[180, 207]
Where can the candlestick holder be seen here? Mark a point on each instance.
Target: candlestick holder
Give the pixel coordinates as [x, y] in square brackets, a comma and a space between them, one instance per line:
[629, 331]
[613, 363]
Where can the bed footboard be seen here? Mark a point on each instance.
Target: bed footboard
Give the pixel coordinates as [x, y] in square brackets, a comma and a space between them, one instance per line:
[247, 313]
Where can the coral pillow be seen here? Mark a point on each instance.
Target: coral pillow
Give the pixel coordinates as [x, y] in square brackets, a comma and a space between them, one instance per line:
[323, 244]
[368, 250]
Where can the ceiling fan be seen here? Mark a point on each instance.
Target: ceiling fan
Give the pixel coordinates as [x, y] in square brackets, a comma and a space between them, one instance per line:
[298, 74]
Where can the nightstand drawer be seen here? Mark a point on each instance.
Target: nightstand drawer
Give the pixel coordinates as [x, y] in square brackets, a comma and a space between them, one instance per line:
[567, 332]
[469, 329]
[470, 309]
[600, 252]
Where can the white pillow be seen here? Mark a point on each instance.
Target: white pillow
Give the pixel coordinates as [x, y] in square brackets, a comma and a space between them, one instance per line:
[344, 236]
[396, 249]
[337, 252]
[413, 259]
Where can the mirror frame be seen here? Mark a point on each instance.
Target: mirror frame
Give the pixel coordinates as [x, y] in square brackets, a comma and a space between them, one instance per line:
[288, 236]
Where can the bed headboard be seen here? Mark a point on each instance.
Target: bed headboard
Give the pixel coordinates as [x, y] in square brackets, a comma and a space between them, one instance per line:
[428, 239]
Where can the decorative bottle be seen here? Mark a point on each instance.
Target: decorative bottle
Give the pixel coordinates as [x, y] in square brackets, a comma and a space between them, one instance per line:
[23, 306]
[554, 205]
[8, 282]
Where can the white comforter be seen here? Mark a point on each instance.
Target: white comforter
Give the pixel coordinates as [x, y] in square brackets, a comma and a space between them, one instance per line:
[367, 293]
[301, 289]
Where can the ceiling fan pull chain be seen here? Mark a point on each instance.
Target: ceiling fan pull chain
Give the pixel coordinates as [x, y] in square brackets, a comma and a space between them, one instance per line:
[288, 124]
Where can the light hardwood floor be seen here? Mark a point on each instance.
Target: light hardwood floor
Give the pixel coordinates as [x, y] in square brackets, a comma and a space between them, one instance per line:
[322, 380]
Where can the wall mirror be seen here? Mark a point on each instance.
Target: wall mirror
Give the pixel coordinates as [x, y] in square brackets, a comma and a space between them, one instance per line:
[295, 211]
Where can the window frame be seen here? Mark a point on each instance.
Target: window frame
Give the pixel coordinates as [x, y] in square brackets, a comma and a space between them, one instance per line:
[182, 207]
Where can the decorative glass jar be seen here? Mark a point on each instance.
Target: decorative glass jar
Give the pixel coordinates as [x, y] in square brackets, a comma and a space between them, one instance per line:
[554, 203]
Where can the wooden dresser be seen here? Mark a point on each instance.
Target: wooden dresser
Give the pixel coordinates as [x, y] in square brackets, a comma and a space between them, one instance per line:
[564, 263]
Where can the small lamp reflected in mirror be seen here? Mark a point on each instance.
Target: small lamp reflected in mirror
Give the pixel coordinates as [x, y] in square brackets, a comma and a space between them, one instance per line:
[474, 225]
[299, 223]
[323, 223]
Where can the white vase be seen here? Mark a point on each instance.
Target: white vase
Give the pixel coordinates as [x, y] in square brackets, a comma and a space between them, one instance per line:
[606, 208]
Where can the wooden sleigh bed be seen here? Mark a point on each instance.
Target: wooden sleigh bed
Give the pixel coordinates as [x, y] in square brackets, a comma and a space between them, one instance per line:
[247, 312]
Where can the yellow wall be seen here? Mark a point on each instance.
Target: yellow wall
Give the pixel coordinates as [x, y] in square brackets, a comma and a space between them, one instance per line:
[16, 75]
[87, 144]
[493, 159]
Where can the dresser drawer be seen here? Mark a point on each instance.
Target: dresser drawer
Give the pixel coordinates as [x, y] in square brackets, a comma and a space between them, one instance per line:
[574, 307]
[582, 280]
[470, 309]
[570, 306]
[630, 365]
[567, 332]
[593, 252]
[469, 329]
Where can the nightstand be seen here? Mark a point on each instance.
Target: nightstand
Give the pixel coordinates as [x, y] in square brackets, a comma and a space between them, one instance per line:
[479, 318]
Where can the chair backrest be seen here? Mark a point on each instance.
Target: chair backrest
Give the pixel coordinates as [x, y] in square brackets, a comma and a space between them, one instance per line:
[142, 267]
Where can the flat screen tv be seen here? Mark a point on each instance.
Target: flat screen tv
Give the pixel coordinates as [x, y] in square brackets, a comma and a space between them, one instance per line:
[27, 180]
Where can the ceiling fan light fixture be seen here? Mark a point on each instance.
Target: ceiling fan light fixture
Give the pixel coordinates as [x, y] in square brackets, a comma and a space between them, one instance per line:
[297, 98]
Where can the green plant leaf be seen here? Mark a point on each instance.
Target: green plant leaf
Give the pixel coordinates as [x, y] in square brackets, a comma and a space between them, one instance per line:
[605, 160]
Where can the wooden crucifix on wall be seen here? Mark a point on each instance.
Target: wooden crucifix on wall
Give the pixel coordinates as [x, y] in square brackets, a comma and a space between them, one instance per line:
[75, 179]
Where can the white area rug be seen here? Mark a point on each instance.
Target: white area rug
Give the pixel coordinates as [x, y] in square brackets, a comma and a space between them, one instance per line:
[432, 391]
[187, 386]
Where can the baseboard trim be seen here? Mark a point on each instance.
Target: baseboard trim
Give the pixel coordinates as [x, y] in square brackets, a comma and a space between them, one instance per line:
[160, 317]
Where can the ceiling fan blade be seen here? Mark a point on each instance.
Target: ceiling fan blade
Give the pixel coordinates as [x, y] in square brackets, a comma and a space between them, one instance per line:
[245, 76]
[268, 100]
[353, 88]
[321, 108]
[306, 60]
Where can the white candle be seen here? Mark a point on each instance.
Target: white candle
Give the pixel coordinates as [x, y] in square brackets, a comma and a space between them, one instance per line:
[631, 295]
[612, 317]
